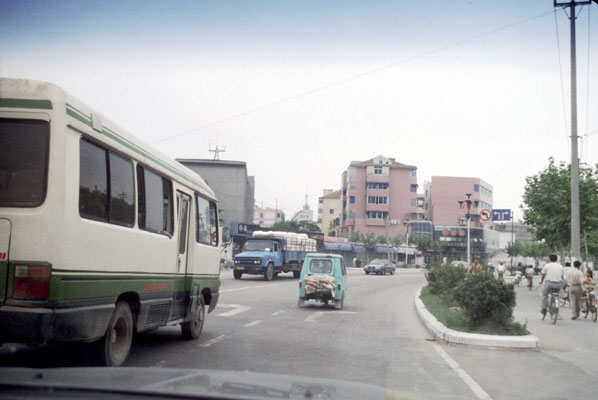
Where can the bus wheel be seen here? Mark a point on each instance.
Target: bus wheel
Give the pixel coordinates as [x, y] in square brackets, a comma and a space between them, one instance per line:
[237, 274]
[115, 345]
[192, 329]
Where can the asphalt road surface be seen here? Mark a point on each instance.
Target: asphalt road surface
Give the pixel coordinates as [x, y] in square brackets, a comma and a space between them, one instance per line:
[376, 339]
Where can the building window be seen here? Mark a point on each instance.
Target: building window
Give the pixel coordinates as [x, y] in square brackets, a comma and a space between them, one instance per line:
[414, 173]
[332, 211]
[376, 214]
[413, 202]
[377, 185]
[352, 199]
[377, 200]
[413, 188]
[476, 188]
[377, 170]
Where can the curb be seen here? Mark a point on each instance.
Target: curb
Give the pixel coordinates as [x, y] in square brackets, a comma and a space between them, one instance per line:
[528, 342]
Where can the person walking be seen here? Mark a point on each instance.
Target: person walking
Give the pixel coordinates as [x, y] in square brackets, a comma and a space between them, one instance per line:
[553, 273]
[574, 280]
[500, 270]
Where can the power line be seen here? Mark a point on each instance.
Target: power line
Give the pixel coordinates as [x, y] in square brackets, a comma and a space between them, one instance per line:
[349, 79]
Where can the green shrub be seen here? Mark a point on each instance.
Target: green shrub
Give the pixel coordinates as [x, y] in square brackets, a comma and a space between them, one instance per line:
[444, 279]
[486, 299]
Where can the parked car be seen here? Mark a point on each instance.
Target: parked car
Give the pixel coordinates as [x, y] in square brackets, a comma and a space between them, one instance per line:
[379, 266]
[323, 278]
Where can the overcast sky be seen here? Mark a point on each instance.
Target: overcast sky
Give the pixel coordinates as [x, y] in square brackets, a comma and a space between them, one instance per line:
[459, 88]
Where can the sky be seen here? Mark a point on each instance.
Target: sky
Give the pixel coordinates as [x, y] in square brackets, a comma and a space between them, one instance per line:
[299, 89]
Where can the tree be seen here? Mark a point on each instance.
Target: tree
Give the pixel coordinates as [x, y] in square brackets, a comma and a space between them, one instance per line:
[296, 226]
[547, 201]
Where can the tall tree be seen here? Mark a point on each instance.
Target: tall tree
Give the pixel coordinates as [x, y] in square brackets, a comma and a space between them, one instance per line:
[547, 203]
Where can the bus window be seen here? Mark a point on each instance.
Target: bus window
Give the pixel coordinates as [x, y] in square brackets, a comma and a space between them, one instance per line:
[23, 162]
[155, 201]
[106, 185]
[206, 221]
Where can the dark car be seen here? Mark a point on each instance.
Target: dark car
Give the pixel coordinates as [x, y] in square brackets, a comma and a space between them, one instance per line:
[379, 266]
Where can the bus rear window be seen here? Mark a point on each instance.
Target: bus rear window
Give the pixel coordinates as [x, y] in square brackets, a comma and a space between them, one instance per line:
[23, 162]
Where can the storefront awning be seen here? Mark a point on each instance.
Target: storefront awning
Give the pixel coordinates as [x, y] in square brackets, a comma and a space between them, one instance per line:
[337, 246]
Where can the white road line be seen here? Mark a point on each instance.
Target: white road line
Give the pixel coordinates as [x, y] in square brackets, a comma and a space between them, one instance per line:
[318, 314]
[236, 309]
[253, 323]
[257, 286]
[212, 341]
[278, 312]
[469, 381]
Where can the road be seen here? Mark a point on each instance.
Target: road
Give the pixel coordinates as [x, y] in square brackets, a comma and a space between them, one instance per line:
[376, 339]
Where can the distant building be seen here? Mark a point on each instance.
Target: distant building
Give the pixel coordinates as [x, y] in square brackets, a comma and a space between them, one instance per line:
[266, 217]
[305, 214]
[329, 212]
[377, 192]
[443, 193]
[233, 187]
[521, 232]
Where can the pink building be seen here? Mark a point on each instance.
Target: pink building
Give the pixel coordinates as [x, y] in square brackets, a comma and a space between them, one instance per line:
[377, 190]
[443, 193]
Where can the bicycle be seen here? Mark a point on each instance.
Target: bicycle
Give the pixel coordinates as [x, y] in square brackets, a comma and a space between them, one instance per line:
[553, 304]
[563, 297]
[588, 305]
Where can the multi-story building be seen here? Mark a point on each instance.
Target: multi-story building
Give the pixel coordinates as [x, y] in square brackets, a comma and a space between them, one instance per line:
[329, 212]
[234, 189]
[442, 196]
[377, 195]
[305, 214]
[267, 216]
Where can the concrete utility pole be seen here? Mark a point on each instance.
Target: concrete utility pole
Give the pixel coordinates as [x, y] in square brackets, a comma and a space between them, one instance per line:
[575, 221]
[468, 203]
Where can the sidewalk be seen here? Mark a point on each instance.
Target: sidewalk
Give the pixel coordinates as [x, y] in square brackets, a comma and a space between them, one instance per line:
[568, 340]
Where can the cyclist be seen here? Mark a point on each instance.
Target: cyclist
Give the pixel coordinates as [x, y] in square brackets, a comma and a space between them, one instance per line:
[553, 273]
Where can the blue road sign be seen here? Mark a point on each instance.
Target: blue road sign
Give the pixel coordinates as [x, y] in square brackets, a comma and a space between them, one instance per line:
[501, 215]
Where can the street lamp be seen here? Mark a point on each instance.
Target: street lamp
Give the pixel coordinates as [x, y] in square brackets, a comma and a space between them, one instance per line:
[406, 223]
[468, 202]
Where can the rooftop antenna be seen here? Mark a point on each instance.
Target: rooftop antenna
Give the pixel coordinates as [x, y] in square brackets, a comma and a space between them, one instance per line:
[217, 152]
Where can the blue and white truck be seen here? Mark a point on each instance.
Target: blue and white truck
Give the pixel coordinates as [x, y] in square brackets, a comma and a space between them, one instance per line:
[270, 253]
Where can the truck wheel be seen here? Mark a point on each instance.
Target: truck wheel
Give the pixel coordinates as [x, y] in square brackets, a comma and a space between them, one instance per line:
[296, 274]
[192, 329]
[237, 274]
[114, 347]
[340, 303]
[269, 272]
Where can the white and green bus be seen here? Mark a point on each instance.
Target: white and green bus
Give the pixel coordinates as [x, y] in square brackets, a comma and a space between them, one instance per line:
[101, 235]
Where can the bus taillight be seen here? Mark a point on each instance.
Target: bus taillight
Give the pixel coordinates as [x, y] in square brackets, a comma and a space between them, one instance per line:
[31, 282]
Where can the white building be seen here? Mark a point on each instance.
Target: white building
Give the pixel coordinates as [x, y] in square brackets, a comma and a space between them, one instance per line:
[267, 217]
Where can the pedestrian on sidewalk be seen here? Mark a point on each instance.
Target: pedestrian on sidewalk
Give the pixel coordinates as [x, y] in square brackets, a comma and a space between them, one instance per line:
[501, 270]
[574, 280]
[553, 273]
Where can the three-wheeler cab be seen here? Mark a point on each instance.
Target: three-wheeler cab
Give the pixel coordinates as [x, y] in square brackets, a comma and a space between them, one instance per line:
[323, 278]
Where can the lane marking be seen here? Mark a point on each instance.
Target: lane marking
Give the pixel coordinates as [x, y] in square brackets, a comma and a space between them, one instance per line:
[278, 312]
[236, 309]
[257, 286]
[469, 381]
[212, 341]
[253, 323]
[318, 314]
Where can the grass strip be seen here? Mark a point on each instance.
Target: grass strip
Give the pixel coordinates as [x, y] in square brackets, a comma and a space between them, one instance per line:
[454, 318]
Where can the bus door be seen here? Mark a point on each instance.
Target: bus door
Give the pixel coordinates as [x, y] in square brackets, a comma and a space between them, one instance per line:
[183, 202]
[4, 245]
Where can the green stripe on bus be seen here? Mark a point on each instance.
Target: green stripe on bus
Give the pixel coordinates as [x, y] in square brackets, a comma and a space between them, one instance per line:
[26, 103]
[80, 116]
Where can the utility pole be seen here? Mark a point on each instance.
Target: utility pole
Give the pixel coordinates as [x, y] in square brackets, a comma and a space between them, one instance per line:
[575, 222]
[468, 203]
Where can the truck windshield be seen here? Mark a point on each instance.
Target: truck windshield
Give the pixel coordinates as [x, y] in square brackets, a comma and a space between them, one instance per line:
[23, 162]
[320, 266]
[258, 245]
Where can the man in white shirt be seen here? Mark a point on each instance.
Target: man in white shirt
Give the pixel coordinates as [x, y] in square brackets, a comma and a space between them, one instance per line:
[553, 273]
[500, 269]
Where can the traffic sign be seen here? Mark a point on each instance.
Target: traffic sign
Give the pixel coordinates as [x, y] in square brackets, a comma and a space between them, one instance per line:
[501, 215]
[485, 215]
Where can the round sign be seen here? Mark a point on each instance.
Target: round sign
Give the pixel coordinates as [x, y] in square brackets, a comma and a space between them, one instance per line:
[485, 215]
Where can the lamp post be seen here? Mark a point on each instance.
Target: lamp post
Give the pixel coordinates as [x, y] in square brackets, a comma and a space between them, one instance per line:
[468, 203]
[407, 223]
